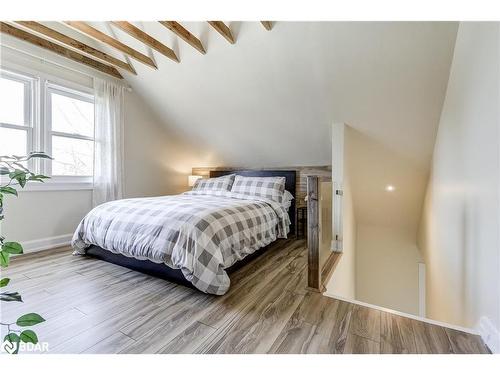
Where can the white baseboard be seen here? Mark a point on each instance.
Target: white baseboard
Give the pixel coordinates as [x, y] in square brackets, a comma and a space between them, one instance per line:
[46, 243]
[489, 334]
[406, 315]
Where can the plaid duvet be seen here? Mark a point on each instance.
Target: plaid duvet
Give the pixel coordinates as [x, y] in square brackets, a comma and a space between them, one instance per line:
[199, 232]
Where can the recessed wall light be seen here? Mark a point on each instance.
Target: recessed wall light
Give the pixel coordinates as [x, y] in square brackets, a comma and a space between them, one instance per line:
[390, 188]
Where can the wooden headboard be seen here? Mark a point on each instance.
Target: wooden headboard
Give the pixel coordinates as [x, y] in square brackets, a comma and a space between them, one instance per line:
[301, 176]
[290, 184]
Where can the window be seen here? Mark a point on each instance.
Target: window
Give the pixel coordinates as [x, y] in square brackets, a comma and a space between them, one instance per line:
[16, 114]
[38, 114]
[71, 119]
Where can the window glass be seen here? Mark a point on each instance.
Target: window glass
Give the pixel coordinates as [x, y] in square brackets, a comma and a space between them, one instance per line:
[73, 116]
[72, 156]
[12, 102]
[13, 141]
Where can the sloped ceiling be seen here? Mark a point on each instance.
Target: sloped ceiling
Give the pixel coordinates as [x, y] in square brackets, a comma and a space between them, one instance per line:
[270, 99]
[287, 86]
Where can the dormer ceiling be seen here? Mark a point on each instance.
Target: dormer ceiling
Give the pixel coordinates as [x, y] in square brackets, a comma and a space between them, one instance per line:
[71, 47]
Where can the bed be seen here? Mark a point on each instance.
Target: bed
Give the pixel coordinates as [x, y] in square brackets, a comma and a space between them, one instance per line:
[196, 238]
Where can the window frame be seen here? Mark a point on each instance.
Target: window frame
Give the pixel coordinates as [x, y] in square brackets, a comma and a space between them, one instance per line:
[58, 89]
[40, 132]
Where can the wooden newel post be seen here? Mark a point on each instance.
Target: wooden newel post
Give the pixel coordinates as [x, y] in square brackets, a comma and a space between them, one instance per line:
[313, 258]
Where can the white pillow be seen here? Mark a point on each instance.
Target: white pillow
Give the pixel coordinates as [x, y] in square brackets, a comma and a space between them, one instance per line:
[223, 183]
[266, 187]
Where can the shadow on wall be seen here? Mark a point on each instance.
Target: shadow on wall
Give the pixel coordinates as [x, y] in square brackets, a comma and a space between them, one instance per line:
[157, 161]
[458, 266]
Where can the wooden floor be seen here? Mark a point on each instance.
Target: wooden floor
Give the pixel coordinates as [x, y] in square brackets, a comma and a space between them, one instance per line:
[91, 306]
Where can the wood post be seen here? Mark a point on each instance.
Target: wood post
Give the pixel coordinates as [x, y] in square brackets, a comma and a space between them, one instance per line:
[321, 261]
[313, 267]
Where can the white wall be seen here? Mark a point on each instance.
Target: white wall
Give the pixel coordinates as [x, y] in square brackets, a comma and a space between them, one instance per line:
[387, 267]
[43, 215]
[343, 280]
[156, 162]
[459, 231]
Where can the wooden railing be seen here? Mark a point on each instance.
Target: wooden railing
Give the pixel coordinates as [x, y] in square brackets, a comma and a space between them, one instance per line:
[321, 259]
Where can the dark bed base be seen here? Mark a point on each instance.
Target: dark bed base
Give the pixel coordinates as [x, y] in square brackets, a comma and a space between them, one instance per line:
[160, 270]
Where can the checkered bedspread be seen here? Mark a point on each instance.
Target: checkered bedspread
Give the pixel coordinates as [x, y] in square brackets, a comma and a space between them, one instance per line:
[201, 233]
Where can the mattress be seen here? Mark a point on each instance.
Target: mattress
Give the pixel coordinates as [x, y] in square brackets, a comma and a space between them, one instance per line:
[200, 233]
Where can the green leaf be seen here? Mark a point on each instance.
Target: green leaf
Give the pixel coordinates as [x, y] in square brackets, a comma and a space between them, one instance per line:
[17, 173]
[29, 336]
[8, 190]
[12, 248]
[37, 177]
[10, 297]
[12, 337]
[4, 282]
[4, 171]
[4, 258]
[29, 320]
[13, 340]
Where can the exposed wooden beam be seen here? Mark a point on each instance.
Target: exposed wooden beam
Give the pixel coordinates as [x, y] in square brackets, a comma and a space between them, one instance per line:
[100, 36]
[55, 35]
[223, 30]
[5, 28]
[185, 35]
[146, 39]
[267, 24]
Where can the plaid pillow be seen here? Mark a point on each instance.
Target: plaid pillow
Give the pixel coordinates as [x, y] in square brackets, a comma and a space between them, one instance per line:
[219, 183]
[266, 187]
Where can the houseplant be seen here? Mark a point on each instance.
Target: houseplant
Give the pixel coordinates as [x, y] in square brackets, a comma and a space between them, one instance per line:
[14, 175]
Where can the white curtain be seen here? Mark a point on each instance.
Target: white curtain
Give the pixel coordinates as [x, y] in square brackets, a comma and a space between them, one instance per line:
[108, 150]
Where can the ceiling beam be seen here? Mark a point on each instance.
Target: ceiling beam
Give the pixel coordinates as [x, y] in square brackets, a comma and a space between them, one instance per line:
[223, 30]
[267, 24]
[185, 35]
[147, 39]
[57, 36]
[104, 38]
[5, 28]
